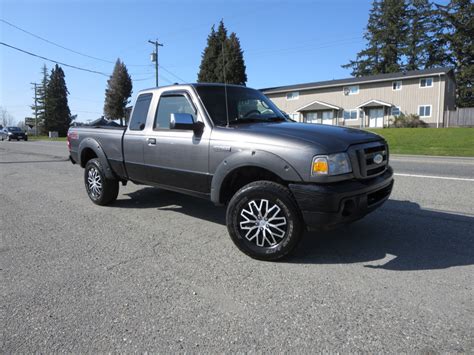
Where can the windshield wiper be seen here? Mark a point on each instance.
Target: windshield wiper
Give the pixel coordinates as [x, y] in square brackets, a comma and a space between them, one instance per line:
[245, 120]
[276, 119]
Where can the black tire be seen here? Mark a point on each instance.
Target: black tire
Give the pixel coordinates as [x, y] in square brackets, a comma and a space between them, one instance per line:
[109, 188]
[9, 139]
[258, 237]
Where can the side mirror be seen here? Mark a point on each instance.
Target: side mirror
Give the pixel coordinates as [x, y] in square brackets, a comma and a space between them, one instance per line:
[185, 121]
[182, 121]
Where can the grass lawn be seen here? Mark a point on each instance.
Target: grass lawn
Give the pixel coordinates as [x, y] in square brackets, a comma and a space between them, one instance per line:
[45, 138]
[429, 141]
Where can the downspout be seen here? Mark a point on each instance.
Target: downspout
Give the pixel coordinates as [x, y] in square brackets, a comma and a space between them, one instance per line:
[439, 100]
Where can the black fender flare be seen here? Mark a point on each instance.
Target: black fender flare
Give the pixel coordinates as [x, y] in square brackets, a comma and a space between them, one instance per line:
[91, 143]
[251, 158]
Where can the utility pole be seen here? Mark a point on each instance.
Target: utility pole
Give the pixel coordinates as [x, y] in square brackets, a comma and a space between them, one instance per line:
[154, 57]
[36, 108]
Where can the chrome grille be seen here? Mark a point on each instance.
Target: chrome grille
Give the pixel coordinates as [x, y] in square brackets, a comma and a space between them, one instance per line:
[364, 155]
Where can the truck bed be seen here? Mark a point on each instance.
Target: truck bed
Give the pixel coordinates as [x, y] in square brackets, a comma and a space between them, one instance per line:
[109, 138]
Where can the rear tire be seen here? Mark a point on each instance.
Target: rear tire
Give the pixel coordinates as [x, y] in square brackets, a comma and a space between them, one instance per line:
[101, 191]
[264, 221]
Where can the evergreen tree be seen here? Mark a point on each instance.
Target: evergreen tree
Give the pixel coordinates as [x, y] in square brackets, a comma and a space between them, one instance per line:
[222, 51]
[41, 94]
[419, 14]
[385, 36]
[209, 59]
[118, 92]
[426, 46]
[459, 16]
[58, 117]
[437, 52]
[234, 63]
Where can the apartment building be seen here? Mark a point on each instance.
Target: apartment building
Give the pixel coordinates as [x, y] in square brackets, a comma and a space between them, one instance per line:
[370, 101]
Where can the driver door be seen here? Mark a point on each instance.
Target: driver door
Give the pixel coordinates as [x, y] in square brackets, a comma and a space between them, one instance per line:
[174, 157]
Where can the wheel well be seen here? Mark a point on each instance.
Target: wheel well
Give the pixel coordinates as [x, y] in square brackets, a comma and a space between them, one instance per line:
[86, 155]
[240, 177]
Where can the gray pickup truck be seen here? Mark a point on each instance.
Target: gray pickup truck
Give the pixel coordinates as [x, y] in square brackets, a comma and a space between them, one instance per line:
[231, 145]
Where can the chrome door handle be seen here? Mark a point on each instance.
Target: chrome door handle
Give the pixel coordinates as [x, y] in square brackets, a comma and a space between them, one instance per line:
[151, 141]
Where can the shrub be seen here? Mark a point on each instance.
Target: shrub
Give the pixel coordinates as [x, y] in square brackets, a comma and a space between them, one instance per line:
[409, 121]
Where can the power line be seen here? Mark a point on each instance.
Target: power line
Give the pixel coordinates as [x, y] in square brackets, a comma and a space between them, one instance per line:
[80, 53]
[55, 44]
[54, 61]
[171, 73]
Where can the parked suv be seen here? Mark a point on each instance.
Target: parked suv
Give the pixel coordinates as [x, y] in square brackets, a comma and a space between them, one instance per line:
[233, 146]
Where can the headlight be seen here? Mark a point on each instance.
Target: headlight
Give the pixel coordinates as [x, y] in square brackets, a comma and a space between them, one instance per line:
[334, 164]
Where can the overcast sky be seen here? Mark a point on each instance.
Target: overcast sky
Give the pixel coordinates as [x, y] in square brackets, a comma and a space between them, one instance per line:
[284, 42]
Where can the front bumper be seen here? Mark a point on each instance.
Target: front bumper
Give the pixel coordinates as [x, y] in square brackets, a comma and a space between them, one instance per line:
[326, 206]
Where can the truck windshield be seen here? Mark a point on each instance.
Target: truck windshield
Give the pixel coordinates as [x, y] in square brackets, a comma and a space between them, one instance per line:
[244, 105]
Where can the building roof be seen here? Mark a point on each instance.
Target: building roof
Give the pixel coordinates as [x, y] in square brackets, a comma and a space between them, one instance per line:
[318, 105]
[358, 80]
[374, 103]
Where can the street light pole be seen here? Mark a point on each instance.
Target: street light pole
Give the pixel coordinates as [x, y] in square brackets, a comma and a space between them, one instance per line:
[154, 57]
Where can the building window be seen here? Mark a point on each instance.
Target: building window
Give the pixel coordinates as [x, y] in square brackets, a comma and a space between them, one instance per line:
[426, 83]
[350, 115]
[396, 111]
[397, 85]
[312, 117]
[327, 115]
[424, 111]
[351, 90]
[295, 116]
[295, 95]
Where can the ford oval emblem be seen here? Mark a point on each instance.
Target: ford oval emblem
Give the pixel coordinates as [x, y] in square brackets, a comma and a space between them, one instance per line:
[378, 158]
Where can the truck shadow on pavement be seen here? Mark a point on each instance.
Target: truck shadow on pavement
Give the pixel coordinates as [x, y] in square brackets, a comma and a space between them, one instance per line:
[400, 236]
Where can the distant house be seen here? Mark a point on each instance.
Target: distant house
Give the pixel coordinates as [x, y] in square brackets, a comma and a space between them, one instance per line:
[370, 101]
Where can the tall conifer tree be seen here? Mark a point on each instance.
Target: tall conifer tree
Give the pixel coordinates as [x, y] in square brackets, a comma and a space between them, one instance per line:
[58, 116]
[118, 92]
[222, 51]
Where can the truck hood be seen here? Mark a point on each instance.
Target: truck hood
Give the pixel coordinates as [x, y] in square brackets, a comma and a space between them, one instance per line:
[328, 138]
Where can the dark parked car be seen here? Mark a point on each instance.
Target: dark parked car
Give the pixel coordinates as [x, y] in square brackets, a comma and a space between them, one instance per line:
[10, 133]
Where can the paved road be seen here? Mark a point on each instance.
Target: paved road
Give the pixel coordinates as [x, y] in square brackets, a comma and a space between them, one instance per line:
[157, 271]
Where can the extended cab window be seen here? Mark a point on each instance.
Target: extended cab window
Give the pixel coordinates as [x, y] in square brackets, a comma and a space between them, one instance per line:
[140, 112]
[172, 104]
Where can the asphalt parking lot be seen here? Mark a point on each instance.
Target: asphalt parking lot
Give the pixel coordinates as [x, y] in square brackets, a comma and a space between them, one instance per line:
[157, 271]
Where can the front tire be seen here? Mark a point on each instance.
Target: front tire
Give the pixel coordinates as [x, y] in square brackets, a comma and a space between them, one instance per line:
[101, 191]
[263, 220]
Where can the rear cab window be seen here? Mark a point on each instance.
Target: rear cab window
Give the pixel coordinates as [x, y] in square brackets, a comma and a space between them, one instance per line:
[140, 112]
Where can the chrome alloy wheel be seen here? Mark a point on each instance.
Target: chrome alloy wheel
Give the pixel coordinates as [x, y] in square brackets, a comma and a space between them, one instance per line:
[94, 181]
[263, 223]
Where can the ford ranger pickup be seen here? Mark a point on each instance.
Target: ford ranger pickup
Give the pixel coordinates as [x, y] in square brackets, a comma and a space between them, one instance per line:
[231, 145]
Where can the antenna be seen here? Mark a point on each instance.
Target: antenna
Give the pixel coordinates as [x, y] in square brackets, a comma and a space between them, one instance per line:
[225, 85]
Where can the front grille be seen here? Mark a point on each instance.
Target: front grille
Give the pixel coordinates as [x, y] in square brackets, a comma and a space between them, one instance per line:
[364, 155]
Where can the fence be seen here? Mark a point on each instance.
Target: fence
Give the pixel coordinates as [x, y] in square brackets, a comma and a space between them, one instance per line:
[462, 117]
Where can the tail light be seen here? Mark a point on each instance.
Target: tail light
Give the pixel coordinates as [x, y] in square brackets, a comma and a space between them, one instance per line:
[71, 136]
